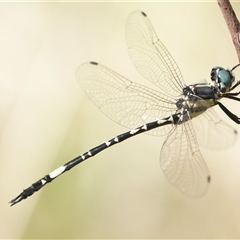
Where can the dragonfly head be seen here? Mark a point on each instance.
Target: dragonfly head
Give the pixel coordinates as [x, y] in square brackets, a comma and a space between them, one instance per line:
[222, 78]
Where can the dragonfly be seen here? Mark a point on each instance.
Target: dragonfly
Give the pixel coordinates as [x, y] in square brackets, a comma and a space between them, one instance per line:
[176, 110]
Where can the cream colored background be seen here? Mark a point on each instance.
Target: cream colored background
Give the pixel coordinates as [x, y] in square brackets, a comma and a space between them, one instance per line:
[47, 120]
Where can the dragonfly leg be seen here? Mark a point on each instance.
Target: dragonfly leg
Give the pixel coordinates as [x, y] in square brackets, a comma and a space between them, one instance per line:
[235, 118]
[232, 96]
[235, 85]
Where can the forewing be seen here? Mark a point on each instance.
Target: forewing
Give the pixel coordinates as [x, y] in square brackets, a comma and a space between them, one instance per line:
[127, 103]
[150, 56]
[182, 162]
[212, 132]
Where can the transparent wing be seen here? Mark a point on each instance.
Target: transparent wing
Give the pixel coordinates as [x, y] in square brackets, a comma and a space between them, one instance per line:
[125, 102]
[150, 57]
[182, 162]
[212, 132]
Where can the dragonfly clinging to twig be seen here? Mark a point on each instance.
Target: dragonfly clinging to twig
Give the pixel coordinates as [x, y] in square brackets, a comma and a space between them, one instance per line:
[175, 110]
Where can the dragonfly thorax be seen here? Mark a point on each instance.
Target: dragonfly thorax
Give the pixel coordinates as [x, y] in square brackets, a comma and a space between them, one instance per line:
[197, 98]
[199, 91]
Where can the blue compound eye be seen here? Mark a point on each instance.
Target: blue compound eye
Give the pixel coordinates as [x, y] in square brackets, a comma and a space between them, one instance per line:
[223, 77]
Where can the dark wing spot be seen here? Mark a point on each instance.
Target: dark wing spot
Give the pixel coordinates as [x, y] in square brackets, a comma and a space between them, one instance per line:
[209, 179]
[94, 63]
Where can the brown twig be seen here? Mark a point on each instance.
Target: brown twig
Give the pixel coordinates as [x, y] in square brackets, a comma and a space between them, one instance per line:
[232, 23]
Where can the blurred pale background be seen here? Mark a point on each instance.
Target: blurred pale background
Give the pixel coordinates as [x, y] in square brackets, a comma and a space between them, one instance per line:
[47, 120]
